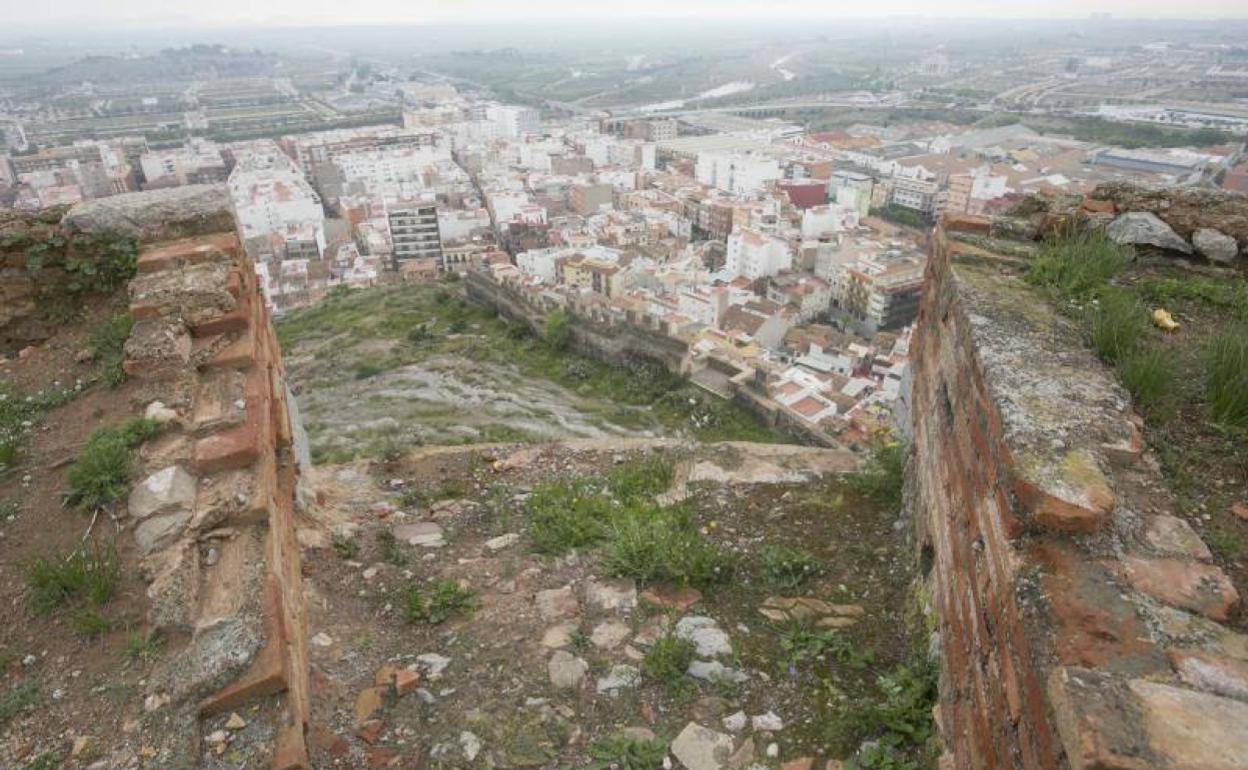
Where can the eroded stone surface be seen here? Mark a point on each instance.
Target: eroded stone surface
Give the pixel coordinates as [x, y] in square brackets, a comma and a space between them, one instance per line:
[166, 490]
[1193, 730]
[701, 748]
[1141, 228]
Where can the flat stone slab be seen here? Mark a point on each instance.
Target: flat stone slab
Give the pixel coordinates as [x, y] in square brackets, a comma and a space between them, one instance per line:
[423, 533]
[701, 748]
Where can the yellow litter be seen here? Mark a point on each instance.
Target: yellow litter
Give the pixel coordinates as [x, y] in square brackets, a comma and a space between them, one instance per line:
[1164, 321]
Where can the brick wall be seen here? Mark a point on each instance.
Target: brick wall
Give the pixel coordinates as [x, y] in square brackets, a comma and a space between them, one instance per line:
[1080, 621]
[220, 370]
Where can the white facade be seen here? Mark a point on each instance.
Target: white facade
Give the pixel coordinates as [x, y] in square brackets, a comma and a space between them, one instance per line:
[754, 255]
[513, 121]
[737, 173]
[825, 221]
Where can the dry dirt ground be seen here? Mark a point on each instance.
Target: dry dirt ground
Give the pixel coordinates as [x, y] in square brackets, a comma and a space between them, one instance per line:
[547, 664]
[62, 684]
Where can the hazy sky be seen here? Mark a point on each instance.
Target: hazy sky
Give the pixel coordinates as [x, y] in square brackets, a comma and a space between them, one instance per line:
[233, 12]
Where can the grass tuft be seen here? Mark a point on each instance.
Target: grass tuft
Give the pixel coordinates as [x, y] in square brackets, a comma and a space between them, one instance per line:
[89, 573]
[1149, 375]
[101, 475]
[1079, 265]
[90, 622]
[1228, 377]
[1116, 324]
[143, 647]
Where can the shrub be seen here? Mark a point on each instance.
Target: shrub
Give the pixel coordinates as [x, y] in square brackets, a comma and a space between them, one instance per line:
[1149, 375]
[101, 474]
[557, 332]
[1117, 323]
[625, 752]
[881, 477]
[436, 603]
[1078, 265]
[367, 369]
[1228, 377]
[667, 660]
[91, 573]
[785, 567]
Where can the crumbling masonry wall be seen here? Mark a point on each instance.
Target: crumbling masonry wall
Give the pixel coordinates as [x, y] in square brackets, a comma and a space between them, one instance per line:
[214, 520]
[1080, 621]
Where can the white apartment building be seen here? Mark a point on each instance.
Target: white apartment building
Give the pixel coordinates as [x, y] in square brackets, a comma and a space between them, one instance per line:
[273, 202]
[513, 121]
[196, 162]
[821, 222]
[737, 173]
[753, 255]
[414, 230]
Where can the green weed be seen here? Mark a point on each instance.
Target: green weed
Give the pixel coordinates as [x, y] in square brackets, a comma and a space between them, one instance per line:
[436, 603]
[557, 331]
[107, 346]
[667, 661]
[881, 477]
[345, 546]
[900, 718]
[788, 568]
[804, 645]
[625, 752]
[568, 514]
[90, 573]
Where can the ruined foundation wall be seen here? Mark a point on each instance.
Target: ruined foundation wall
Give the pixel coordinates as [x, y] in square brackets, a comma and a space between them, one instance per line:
[1079, 619]
[611, 341]
[215, 519]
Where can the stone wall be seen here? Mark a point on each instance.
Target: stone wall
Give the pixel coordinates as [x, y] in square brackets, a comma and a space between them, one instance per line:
[594, 333]
[213, 517]
[1080, 621]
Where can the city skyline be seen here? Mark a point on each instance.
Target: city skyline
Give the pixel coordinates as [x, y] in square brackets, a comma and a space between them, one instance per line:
[155, 13]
